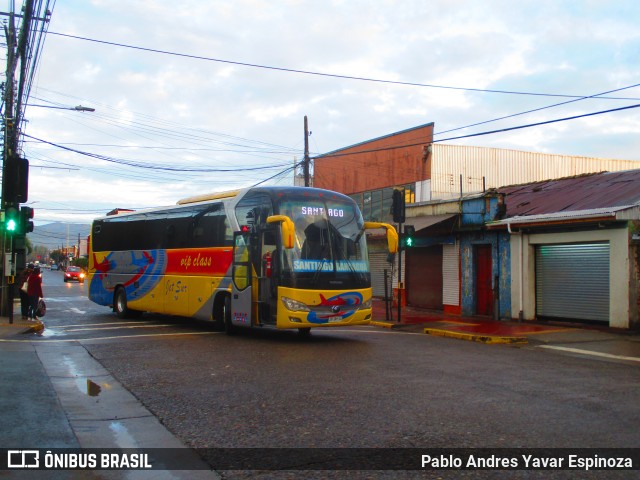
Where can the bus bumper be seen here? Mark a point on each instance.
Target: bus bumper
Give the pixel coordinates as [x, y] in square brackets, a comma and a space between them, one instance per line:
[323, 308]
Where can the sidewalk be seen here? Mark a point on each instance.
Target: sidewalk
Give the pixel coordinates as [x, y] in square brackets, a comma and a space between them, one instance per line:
[56, 396]
[575, 338]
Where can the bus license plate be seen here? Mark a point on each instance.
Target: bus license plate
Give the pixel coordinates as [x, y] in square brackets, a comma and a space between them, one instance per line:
[335, 319]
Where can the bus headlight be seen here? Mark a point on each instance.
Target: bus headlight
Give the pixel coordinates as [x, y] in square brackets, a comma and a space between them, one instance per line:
[294, 305]
[367, 304]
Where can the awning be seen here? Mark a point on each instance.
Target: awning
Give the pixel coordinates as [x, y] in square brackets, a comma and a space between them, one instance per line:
[568, 216]
[426, 221]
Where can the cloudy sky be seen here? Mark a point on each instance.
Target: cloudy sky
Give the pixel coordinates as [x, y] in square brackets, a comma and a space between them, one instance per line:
[200, 96]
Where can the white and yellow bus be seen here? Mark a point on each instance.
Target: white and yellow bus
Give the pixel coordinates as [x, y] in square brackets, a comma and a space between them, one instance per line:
[282, 257]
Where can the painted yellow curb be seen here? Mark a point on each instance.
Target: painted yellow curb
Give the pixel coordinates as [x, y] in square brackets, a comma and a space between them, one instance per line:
[38, 327]
[491, 339]
[22, 326]
[382, 324]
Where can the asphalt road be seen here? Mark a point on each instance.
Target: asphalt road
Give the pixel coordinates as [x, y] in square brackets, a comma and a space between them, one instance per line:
[352, 387]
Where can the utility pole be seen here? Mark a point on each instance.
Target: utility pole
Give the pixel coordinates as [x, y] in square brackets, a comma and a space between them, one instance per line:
[15, 170]
[306, 152]
[9, 120]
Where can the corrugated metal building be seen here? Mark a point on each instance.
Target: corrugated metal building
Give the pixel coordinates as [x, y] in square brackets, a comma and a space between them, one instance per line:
[440, 180]
[457, 170]
[575, 248]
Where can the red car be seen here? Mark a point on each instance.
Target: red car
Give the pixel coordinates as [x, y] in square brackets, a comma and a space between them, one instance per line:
[74, 273]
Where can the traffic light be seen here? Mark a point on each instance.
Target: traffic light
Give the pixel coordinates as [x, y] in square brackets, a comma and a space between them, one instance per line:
[398, 206]
[26, 220]
[15, 180]
[409, 234]
[11, 223]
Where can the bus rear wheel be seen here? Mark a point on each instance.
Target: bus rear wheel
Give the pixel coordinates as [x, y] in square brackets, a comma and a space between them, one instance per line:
[120, 305]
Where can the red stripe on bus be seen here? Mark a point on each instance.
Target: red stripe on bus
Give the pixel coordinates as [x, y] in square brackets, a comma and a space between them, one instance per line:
[199, 261]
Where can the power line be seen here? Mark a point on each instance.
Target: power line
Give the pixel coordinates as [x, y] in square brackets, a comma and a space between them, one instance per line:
[130, 163]
[321, 74]
[160, 147]
[597, 95]
[327, 155]
[539, 123]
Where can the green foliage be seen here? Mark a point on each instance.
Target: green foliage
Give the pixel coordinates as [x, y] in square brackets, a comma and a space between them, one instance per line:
[82, 262]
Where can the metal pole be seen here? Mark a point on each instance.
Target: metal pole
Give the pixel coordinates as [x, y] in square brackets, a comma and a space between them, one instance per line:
[306, 152]
[8, 148]
[387, 310]
[399, 275]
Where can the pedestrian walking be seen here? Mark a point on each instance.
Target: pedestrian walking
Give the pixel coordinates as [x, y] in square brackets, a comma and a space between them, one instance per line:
[24, 296]
[34, 291]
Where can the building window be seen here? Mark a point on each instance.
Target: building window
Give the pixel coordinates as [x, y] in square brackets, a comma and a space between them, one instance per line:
[376, 204]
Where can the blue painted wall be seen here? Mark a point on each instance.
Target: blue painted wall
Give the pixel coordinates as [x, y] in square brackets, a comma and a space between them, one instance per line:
[475, 213]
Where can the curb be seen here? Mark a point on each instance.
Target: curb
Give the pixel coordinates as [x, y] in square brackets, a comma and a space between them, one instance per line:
[37, 327]
[376, 323]
[21, 327]
[489, 339]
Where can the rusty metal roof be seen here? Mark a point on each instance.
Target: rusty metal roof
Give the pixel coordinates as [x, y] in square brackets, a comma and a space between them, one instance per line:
[585, 192]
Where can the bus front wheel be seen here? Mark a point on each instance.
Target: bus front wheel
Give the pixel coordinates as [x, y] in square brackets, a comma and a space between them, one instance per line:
[228, 326]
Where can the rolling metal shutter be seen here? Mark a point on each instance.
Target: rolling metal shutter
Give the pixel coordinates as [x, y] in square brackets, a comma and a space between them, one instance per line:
[451, 274]
[572, 281]
[378, 263]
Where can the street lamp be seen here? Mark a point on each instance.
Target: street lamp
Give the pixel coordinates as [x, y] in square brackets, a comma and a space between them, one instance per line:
[77, 108]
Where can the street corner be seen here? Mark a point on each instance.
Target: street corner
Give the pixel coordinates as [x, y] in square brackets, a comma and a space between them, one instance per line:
[34, 327]
[476, 337]
[381, 324]
[19, 327]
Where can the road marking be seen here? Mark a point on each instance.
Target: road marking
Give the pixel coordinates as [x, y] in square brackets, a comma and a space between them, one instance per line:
[102, 324]
[117, 337]
[376, 331]
[76, 310]
[592, 353]
[112, 328]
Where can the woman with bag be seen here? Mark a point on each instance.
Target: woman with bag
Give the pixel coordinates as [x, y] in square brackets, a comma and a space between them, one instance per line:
[34, 290]
[23, 289]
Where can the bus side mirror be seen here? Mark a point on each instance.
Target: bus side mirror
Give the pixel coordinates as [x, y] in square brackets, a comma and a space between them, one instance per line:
[288, 229]
[392, 235]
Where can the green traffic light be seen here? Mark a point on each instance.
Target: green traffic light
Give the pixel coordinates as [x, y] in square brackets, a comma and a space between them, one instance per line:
[409, 242]
[11, 222]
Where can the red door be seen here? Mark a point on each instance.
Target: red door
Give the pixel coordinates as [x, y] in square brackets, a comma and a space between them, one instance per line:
[484, 290]
[424, 277]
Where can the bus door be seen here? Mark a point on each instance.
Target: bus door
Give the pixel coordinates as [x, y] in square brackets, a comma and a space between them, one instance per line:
[242, 290]
[255, 274]
[267, 267]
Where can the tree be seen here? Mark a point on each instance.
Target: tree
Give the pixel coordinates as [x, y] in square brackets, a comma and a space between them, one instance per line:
[82, 262]
[57, 256]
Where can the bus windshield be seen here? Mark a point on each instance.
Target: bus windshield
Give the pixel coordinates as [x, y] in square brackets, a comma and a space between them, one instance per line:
[330, 248]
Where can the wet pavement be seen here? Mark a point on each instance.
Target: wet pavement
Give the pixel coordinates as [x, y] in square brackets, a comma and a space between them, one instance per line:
[577, 339]
[59, 396]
